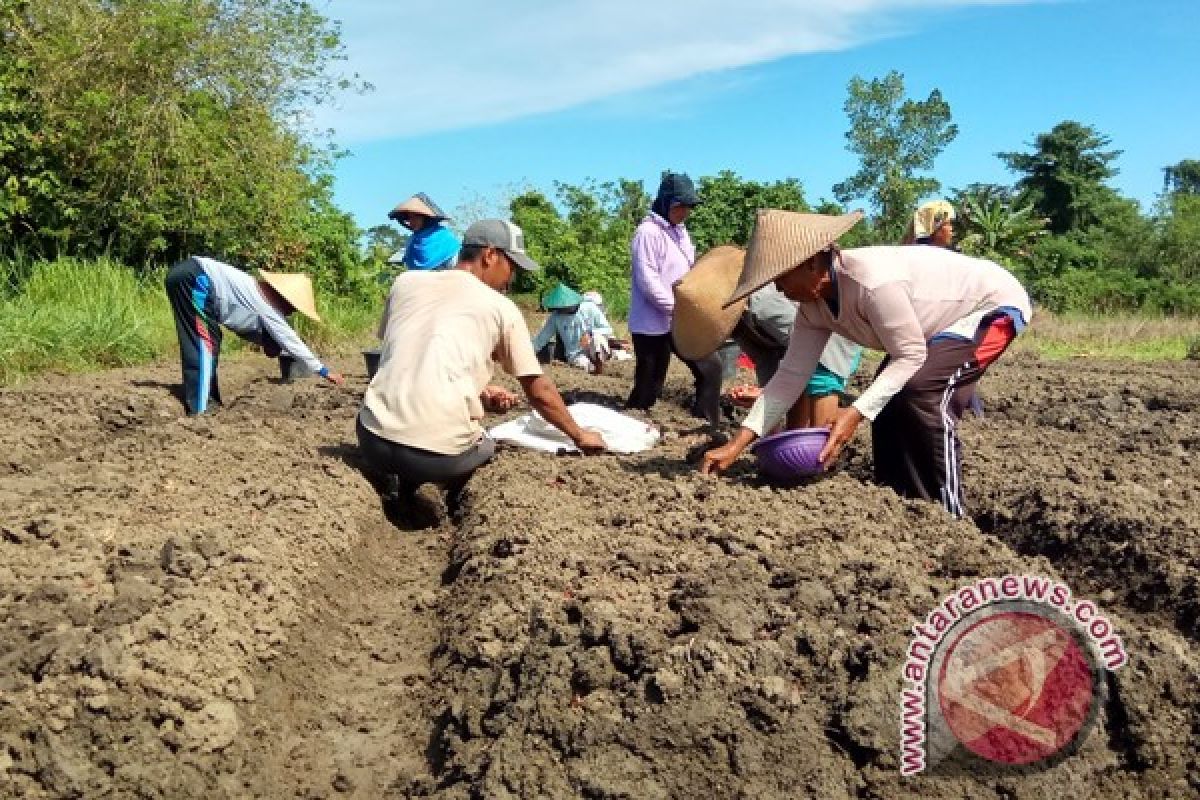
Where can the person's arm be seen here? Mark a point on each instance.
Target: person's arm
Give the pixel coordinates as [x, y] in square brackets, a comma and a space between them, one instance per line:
[779, 395]
[545, 334]
[278, 329]
[515, 354]
[648, 255]
[598, 322]
[546, 400]
[890, 312]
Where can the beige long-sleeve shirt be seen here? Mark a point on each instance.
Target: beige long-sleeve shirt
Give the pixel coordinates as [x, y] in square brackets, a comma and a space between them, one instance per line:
[893, 299]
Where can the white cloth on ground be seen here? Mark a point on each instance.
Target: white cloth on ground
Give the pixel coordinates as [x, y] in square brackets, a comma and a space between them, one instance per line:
[622, 434]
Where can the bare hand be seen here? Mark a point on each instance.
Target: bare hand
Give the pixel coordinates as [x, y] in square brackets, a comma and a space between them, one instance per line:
[719, 459]
[336, 378]
[498, 399]
[841, 431]
[744, 395]
[591, 443]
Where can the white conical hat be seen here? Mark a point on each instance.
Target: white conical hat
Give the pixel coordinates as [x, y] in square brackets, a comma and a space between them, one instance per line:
[296, 288]
[782, 240]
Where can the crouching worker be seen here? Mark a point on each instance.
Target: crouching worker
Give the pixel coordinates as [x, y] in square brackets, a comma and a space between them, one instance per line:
[942, 318]
[761, 325]
[206, 294]
[580, 327]
[441, 333]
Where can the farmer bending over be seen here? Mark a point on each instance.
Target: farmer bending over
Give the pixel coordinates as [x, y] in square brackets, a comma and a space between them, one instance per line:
[442, 331]
[206, 294]
[941, 317]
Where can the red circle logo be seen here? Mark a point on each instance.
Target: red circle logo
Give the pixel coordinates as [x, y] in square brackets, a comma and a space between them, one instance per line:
[1016, 687]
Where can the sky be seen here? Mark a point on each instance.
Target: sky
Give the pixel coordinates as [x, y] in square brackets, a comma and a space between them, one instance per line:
[474, 100]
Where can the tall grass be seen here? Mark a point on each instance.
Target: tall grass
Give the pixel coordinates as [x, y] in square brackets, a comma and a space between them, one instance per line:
[71, 315]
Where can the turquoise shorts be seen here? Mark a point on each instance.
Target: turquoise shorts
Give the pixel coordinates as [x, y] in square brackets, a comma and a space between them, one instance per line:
[824, 383]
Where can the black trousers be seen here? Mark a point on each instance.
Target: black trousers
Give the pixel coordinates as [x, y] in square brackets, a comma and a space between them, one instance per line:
[195, 309]
[653, 354]
[914, 439]
[414, 466]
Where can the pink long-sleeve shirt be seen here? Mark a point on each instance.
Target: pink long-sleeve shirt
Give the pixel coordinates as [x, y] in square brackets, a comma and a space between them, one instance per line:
[893, 299]
[662, 254]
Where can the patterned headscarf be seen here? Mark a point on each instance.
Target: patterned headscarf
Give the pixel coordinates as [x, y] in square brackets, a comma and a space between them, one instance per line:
[931, 216]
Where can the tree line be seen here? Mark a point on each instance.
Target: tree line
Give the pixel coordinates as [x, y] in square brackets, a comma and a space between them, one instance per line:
[147, 130]
[1072, 238]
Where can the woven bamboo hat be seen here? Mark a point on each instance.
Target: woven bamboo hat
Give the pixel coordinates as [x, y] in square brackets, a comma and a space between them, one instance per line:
[700, 323]
[296, 288]
[782, 240]
[419, 203]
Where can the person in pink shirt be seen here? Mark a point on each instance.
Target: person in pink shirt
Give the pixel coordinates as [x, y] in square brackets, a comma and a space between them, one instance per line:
[942, 318]
[663, 253]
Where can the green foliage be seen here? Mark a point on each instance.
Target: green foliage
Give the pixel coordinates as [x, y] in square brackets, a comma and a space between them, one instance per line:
[583, 238]
[586, 244]
[730, 203]
[151, 129]
[1183, 177]
[991, 227]
[1064, 177]
[1181, 238]
[895, 139]
[73, 315]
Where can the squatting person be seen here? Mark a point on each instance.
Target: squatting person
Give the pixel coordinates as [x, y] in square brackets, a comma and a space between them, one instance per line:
[761, 325]
[206, 294]
[942, 318]
[442, 332]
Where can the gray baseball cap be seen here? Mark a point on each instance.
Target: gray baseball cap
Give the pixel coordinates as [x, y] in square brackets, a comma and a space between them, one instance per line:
[501, 234]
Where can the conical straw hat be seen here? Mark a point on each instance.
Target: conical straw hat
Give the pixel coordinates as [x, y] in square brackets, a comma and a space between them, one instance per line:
[419, 203]
[296, 288]
[782, 240]
[562, 296]
[700, 324]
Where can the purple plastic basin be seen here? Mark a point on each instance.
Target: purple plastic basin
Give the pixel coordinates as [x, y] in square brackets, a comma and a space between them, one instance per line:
[790, 454]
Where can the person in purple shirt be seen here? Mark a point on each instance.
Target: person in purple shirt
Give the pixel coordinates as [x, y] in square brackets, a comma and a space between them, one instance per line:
[662, 254]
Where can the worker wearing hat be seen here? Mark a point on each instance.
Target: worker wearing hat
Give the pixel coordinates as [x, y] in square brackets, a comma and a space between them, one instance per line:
[761, 325]
[443, 333]
[941, 317]
[932, 224]
[580, 327]
[431, 244]
[206, 294]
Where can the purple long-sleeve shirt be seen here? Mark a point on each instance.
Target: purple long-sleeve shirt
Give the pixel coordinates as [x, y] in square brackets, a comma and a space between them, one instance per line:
[662, 254]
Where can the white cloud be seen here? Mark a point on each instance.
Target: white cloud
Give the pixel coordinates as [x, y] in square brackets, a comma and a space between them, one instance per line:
[471, 62]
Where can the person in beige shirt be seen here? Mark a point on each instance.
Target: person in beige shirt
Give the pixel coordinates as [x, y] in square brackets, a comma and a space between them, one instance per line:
[443, 332]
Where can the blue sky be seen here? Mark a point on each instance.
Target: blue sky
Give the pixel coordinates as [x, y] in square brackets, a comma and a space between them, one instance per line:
[475, 99]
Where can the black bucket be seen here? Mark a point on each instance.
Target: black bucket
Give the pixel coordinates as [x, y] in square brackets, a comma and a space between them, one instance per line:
[372, 359]
[291, 370]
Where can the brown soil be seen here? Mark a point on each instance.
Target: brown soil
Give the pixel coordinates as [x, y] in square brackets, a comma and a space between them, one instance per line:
[222, 607]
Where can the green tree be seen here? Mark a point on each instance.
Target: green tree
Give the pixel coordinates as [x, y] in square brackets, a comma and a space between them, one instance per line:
[730, 204]
[1183, 177]
[382, 242]
[895, 139]
[1065, 174]
[1181, 239]
[169, 127]
[991, 227]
